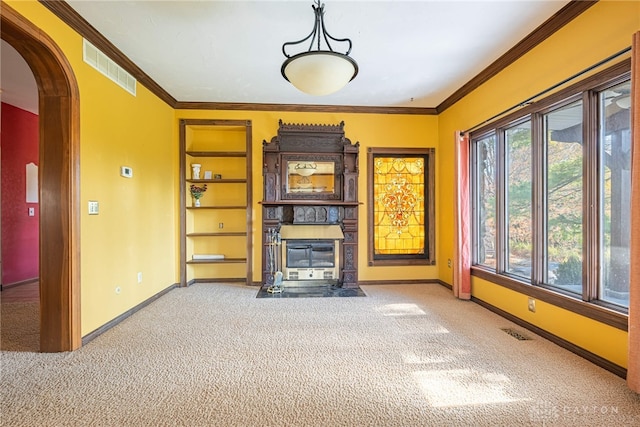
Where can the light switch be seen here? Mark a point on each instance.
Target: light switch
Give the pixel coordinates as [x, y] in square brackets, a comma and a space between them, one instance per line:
[32, 212]
[93, 207]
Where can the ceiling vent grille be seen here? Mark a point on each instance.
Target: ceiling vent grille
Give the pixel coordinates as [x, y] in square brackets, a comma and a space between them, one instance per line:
[109, 68]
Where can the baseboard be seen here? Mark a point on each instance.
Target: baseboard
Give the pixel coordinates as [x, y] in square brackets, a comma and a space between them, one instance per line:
[22, 282]
[104, 328]
[591, 357]
[445, 284]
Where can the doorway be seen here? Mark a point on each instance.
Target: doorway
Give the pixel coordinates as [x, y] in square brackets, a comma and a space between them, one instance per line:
[59, 127]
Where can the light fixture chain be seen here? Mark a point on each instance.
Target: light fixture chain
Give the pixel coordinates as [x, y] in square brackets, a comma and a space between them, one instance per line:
[318, 33]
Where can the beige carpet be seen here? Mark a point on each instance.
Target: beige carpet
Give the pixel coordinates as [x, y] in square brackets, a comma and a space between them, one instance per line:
[405, 355]
[19, 326]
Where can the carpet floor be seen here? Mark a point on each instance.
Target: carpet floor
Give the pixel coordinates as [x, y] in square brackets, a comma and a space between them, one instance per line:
[405, 355]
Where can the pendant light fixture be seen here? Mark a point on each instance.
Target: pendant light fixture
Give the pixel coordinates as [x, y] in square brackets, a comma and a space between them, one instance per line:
[320, 71]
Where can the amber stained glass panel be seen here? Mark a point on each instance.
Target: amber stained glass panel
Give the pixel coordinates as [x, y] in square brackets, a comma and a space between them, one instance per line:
[399, 205]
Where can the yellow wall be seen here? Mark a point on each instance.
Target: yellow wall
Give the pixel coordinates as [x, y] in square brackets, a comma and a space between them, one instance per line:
[136, 228]
[601, 31]
[371, 130]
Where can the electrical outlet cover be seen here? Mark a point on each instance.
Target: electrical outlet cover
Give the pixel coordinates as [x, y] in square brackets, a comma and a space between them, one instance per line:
[126, 171]
[532, 305]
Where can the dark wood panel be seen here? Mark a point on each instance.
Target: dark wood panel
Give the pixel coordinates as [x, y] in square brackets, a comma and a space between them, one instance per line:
[215, 154]
[312, 143]
[217, 207]
[231, 233]
[218, 261]
[217, 181]
[307, 108]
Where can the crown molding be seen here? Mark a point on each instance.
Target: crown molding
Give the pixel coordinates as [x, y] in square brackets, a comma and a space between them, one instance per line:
[305, 108]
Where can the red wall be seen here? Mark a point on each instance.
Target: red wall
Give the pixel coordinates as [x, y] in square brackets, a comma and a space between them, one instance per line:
[19, 143]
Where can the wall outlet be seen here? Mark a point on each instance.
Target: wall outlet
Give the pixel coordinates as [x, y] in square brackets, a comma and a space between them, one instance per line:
[118, 290]
[126, 172]
[449, 262]
[139, 276]
[221, 225]
[32, 211]
[532, 305]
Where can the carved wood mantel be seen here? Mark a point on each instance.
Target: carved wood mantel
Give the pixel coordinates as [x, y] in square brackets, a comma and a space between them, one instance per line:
[329, 196]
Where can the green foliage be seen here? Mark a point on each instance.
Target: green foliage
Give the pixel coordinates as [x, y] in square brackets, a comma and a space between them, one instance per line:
[570, 272]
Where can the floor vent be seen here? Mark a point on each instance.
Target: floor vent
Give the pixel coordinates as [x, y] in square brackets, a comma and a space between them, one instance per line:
[107, 67]
[517, 335]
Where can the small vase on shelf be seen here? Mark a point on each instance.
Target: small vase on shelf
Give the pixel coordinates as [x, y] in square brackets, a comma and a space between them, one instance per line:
[195, 170]
[197, 192]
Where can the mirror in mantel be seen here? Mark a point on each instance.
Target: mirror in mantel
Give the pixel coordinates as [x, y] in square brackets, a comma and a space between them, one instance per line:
[310, 177]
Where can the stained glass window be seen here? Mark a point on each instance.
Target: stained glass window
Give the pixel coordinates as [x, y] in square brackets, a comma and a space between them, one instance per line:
[400, 211]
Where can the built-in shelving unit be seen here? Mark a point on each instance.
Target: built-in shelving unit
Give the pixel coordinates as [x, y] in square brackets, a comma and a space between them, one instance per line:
[215, 237]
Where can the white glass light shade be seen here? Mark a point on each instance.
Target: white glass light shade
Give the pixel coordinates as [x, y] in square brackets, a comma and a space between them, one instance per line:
[319, 72]
[624, 102]
[305, 171]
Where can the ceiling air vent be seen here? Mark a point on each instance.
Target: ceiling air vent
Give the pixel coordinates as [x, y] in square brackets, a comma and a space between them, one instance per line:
[109, 68]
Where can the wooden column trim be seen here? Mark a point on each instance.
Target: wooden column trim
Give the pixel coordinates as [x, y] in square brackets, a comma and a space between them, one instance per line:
[60, 327]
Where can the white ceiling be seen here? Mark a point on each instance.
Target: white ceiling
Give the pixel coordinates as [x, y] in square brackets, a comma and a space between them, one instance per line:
[410, 53]
[16, 80]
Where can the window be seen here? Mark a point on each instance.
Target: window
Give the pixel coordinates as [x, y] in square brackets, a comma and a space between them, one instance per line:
[518, 199]
[563, 197]
[551, 193]
[402, 210]
[485, 206]
[615, 189]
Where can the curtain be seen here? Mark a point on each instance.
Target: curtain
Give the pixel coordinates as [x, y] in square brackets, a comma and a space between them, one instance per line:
[633, 370]
[462, 247]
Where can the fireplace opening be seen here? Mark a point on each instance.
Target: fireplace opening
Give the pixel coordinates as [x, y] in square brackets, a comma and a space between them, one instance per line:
[310, 253]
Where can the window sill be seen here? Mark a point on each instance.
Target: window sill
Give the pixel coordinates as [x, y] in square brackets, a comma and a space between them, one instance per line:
[590, 310]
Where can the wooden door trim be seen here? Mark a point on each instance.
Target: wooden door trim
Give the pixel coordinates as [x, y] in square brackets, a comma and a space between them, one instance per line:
[58, 94]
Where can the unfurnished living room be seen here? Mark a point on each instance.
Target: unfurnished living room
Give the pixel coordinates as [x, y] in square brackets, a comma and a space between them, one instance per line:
[307, 213]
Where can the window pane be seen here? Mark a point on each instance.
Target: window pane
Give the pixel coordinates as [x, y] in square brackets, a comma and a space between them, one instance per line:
[485, 219]
[518, 203]
[563, 143]
[615, 185]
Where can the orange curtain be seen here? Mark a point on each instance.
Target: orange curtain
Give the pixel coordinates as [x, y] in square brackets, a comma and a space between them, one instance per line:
[462, 258]
[633, 370]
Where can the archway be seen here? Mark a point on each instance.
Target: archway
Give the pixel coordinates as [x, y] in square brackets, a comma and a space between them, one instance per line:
[58, 181]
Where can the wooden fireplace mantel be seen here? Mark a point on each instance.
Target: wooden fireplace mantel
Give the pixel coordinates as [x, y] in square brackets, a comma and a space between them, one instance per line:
[310, 176]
